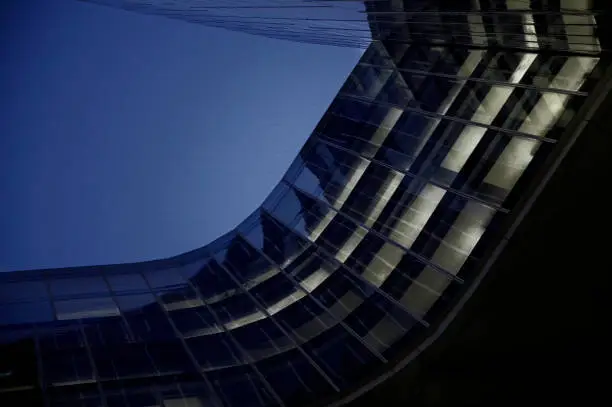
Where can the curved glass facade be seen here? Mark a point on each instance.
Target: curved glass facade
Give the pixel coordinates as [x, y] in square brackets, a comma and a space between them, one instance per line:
[375, 232]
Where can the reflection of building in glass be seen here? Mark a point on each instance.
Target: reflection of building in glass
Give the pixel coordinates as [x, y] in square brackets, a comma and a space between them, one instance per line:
[376, 231]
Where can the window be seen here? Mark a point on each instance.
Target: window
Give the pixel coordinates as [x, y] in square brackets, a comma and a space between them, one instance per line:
[26, 313]
[67, 367]
[78, 286]
[241, 388]
[134, 301]
[191, 322]
[86, 308]
[127, 283]
[168, 278]
[23, 291]
[179, 298]
[214, 351]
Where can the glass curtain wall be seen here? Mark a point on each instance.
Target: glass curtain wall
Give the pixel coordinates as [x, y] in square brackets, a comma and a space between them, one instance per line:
[371, 237]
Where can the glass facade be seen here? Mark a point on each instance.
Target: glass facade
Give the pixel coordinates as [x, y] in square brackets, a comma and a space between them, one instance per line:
[375, 232]
[560, 25]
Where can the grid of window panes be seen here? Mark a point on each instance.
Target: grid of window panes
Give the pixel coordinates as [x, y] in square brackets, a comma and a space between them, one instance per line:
[567, 25]
[368, 238]
[562, 25]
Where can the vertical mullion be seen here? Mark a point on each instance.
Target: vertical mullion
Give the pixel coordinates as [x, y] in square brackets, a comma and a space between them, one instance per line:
[93, 365]
[39, 365]
[114, 298]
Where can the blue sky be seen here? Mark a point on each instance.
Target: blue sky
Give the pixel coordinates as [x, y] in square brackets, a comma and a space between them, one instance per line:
[126, 137]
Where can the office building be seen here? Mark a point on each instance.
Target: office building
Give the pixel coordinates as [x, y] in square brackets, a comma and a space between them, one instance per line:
[370, 243]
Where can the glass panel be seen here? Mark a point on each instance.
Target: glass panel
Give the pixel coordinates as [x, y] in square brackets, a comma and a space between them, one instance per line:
[126, 283]
[240, 388]
[169, 357]
[190, 270]
[26, 313]
[134, 302]
[123, 361]
[261, 339]
[61, 337]
[67, 367]
[178, 298]
[214, 351]
[293, 378]
[78, 286]
[243, 261]
[166, 279]
[150, 324]
[341, 356]
[274, 239]
[213, 283]
[196, 394]
[194, 322]
[236, 311]
[286, 207]
[86, 308]
[23, 291]
[132, 400]
[12, 334]
[17, 368]
[107, 332]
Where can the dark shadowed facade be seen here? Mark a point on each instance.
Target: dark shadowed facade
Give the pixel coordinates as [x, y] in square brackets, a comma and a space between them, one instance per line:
[387, 220]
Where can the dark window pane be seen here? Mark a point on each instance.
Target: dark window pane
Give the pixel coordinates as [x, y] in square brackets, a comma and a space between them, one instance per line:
[77, 286]
[68, 366]
[213, 351]
[22, 291]
[86, 308]
[25, 313]
[240, 388]
[127, 283]
[168, 278]
[134, 301]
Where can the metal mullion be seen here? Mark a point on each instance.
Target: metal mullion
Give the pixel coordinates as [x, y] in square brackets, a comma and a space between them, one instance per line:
[279, 326]
[414, 176]
[250, 360]
[113, 297]
[357, 275]
[316, 301]
[513, 133]
[180, 337]
[476, 79]
[376, 233]
[39, 365]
